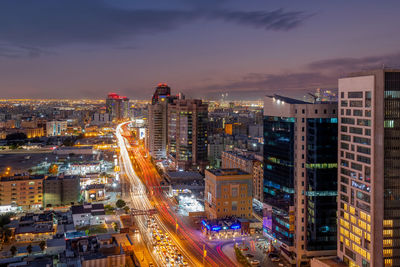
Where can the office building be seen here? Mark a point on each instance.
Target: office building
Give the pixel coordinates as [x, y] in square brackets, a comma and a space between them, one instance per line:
[300, 176]
[228, 193]
[187, 134]
[158, 119]
[21, 191]
[56, 128]
[369, 176]
[117, 106]
[61, 190]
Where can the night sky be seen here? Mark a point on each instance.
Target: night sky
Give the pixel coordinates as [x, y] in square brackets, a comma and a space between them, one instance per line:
[87, 48]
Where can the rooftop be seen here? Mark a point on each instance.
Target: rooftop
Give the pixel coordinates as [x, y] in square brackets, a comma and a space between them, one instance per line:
[81, 209]
[184, 175]
[21, 177]
[227, 172]
[288, 99]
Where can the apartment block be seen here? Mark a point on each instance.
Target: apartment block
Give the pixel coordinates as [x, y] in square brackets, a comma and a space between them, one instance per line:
[22, 191]
[187, 134]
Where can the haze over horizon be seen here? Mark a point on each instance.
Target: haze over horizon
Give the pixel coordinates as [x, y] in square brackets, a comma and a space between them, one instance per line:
[87, 48]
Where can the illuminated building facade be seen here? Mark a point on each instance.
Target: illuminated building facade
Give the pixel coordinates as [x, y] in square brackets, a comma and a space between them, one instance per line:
[21, 191]
[158, 119]
[187, 133]
[369, 176]
[300, 176]
[117, 106]
[228, 192]
[56, 128]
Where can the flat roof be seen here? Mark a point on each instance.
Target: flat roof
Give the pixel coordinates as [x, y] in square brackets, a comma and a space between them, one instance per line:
[228, 172]
[184, 175]
[288, 99]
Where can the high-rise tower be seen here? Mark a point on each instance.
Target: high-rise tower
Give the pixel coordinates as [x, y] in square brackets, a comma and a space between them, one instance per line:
[369, 174]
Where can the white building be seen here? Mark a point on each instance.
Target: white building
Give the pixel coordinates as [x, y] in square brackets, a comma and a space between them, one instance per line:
[88, 214]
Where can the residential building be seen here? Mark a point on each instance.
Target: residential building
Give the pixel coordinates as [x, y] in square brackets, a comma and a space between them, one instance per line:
[61, 190]
[258, 178]
[88, 214]
[187, 133]
[56, 128]
[228, 192]
[300, 176]
[117, 107]
[236, 128]
[238, 159]
[250, 163]
[101, 118]
[21, 191]
[369, 176]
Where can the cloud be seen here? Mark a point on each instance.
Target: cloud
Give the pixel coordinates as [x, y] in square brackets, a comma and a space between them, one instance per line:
[341, 65]
[258, 84]
[274, 20]
[48, 23]
[316, 74]
[20, 51]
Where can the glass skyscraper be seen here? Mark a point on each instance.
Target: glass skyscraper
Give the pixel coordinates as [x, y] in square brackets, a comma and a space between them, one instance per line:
[300, 176]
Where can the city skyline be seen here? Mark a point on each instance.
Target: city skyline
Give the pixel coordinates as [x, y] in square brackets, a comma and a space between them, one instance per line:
[200, 48]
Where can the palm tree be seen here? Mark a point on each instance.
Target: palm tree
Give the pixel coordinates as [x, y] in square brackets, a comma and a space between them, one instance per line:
[42, 245]
[13, 250]
[29, 248]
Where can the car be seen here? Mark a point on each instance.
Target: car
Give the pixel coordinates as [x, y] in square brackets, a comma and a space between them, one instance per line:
[255, 262]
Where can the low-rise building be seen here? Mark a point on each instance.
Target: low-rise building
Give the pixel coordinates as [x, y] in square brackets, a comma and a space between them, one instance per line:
[56, 128]
[95, 192]
[88, 214]
[35, 232]
[228, 192]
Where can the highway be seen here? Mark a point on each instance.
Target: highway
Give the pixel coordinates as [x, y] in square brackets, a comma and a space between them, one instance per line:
[190, 241]
[140, 201]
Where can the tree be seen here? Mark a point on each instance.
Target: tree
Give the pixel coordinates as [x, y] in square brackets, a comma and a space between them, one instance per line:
[42, 245]
[69, 141]
[120, 203]
[16, 136]
[13, 250]
[53, 169]
[29, 248]
[126, 209]
[5, 232]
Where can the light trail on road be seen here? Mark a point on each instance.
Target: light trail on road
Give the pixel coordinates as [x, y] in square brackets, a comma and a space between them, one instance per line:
[192, 241]
[140, 200]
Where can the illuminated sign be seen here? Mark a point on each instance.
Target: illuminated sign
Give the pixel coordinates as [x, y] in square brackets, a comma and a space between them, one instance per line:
[142, 133]
[235, 226]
